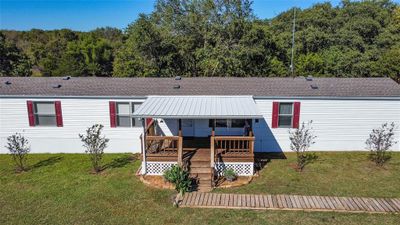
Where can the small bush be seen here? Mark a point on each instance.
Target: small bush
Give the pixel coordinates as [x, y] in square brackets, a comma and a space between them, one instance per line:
[379, 142]
[300, 140]
[19, 148]
[179, 177]
[230, 174]
[95, 144]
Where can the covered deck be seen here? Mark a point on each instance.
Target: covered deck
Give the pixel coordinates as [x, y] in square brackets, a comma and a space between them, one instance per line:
[224, 148]
[214, 151]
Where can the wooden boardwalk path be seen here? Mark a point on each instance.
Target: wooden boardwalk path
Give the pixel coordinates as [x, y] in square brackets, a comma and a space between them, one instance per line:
[291, 202]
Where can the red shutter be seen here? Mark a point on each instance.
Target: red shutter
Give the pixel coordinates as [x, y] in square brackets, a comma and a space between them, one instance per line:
[31, 116]
[148, 121]
[113, 116]
[296, 114]
[275, 112]
[59, 118]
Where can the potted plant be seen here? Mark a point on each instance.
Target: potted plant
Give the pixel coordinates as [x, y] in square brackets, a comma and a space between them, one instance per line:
[230, 175]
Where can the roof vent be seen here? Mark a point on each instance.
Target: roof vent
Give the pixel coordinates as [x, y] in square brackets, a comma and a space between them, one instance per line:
[309, 78]
[8, 82]
[177, 86]
[178, 78]
[57, 86]
[314, 86]
[67, 78]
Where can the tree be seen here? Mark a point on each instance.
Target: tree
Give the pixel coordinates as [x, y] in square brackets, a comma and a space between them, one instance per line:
[218, 38]
[12, 61]
[300, 140]
[19, 148]
[389, 63]
[379, 142]
[310, 64]
[197, 38]
[95, 144]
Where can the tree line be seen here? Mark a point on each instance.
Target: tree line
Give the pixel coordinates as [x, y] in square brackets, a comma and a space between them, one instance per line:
[218, 38]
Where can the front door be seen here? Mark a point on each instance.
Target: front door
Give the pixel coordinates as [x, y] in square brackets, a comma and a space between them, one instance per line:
[188, 128]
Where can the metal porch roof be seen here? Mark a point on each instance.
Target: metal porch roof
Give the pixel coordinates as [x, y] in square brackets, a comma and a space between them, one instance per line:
[198, 107]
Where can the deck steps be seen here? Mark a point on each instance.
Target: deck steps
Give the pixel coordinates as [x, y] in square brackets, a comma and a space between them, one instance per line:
[200, 170]
[197, 170]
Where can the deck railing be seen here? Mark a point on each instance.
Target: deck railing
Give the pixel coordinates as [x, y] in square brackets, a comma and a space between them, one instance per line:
[165, 146]
[231, 146]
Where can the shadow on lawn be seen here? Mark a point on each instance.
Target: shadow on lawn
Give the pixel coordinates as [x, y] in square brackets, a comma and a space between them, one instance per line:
[261, 159]
[47, 162]
[120, 162]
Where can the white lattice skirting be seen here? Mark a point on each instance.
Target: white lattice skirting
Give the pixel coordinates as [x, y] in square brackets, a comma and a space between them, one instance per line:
[241, 169]
[158, 168]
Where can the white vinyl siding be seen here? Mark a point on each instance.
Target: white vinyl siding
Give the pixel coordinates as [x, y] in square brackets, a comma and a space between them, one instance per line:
[340, 125]
[78, 115]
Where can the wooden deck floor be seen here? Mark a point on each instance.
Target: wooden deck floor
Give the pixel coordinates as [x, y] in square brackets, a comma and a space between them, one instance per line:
[291, 202]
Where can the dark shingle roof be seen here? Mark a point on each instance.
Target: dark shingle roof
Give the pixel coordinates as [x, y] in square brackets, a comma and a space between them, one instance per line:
[285, 87]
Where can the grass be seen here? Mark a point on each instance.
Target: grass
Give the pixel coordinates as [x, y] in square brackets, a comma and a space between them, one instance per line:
[339, 174]
[59, 189]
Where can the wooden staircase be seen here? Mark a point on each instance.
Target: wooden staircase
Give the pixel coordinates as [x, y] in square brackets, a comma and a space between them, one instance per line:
[201, 170]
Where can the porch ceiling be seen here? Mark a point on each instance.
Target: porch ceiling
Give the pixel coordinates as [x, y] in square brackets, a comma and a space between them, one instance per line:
[198, 107]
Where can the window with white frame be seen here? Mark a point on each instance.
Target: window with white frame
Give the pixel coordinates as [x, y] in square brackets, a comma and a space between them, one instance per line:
[124, 114]
[285, 116]
[45, 114]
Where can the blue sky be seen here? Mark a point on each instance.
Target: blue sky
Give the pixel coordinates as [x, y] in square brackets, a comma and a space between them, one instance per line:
[86, 15]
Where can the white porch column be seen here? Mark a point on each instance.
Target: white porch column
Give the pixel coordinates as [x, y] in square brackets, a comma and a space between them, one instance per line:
[144, 162]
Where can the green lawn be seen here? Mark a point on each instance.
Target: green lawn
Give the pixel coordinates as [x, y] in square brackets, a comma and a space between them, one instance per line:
[339, 174]
[59, 189]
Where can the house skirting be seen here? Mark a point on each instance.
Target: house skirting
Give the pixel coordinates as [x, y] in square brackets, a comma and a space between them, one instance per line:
[158, 168]
[240, 168]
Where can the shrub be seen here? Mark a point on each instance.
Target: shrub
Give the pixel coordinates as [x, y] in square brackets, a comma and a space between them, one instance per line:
[300, 140]
[19, 148]
[230, 174]
[95, 144]
[379, 142]
[179, 177]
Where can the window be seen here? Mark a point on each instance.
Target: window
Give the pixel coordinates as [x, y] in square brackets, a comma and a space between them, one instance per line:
[238, 123]
[124, 114]
[187, 123]
[221, 123]
[231, 123]
[45, 114]
[285, 117]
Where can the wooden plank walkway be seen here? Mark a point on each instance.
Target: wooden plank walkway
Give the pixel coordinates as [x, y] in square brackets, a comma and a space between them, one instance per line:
[291, 202]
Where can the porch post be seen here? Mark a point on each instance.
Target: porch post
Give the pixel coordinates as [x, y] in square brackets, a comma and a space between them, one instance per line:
[212, 144]
[144, 163]
[213, 128]
[212, 150]
[180, 150]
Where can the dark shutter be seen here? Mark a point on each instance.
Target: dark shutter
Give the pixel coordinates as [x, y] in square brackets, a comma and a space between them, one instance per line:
[113, 117]
[296, 114]
[31, 116]
[59, 118]
[275, 114]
